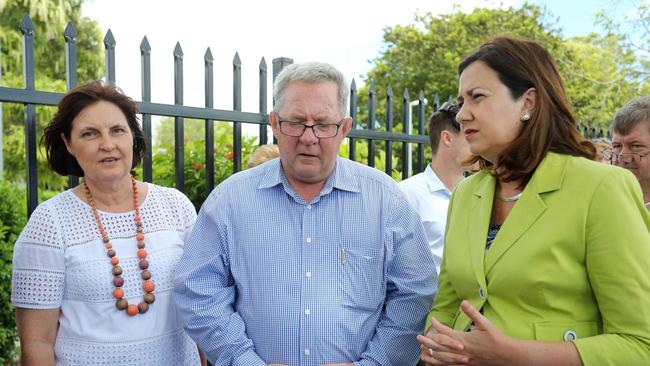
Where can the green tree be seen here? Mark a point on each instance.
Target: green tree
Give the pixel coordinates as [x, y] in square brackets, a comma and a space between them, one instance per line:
[425, 56]
[50, 18]
[194, 155]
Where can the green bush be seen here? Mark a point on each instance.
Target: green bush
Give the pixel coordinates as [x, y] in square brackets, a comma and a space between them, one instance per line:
[12, 220]
[194, 163]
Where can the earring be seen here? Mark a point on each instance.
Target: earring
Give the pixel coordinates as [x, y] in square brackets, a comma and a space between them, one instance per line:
[525, 117]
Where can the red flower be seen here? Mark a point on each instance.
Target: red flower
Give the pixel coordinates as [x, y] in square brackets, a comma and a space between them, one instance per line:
[197, 166]
[229, 155]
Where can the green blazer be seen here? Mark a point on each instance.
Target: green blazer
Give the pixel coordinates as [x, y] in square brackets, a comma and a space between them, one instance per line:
[571, 262]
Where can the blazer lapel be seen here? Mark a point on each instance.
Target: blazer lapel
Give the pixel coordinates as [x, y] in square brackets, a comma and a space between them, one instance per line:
[547, 177]
[479, 215]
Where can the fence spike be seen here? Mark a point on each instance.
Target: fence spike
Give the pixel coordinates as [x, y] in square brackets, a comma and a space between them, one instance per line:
[207, 57]
[144, 45]
[389, 91]
[353, 85]
[421, 95]
[178, 51]
[26, 25]
[109, 40]
[372, 87]
[263, 64]
[406, 94]
[70, 34]
[236, 61]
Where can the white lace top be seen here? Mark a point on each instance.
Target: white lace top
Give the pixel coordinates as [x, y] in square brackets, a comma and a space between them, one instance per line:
[60, 262]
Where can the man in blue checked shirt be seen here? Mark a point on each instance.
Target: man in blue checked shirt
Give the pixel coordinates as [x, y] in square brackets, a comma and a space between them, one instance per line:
[309, 259]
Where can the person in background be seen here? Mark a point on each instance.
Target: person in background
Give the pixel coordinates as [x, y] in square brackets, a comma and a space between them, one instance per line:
[92, 269]
[546, 252]
[603, 150]
[262, 154]
[429, 192]
[631, 142]
[309, 259]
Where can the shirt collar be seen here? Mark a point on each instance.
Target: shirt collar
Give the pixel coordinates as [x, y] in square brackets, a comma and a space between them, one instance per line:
[341, 178]
[433, 182]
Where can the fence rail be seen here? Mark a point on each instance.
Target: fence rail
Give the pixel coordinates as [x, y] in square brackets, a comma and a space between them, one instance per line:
[30, 98]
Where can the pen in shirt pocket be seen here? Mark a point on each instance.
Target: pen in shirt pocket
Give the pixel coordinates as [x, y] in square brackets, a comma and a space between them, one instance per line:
[343, 256]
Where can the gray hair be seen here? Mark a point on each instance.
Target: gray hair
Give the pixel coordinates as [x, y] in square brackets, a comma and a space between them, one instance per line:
[310, 72]
[632, 114]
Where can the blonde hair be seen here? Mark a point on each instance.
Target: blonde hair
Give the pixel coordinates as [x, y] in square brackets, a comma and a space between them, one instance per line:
[262, 154]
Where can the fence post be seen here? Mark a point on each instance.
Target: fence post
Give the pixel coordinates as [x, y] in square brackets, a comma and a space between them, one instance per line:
[209, 124]
[389, 128]
[109, 44]
[264, 132]
[145, 67]
[27, 29]
[279, 63]
[353, 114]
[372, 115]
[236, 106]
[70, 36]
[421, 103]
[406, 127]
[179, 134]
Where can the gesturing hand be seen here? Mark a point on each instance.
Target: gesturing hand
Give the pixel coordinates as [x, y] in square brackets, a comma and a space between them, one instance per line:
[439, 347]
[485, 343]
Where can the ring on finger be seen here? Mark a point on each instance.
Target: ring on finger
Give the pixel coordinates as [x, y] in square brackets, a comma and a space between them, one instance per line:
[430, 352]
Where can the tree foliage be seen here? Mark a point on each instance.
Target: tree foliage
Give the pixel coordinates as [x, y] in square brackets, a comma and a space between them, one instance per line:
[194, 155]
[50, 18]
[425, 56]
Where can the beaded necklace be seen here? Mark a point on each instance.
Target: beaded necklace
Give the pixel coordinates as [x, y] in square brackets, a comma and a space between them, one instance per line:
[118, 281]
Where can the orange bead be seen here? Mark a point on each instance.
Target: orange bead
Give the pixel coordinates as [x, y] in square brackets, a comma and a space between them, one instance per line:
[138, 218]
[148, 286]
[109, 246]
[132, 309]
[115, 261]
[118, 293]
[140, 236]
[142, 253]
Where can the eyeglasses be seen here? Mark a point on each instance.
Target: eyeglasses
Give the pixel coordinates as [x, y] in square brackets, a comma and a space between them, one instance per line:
[320, 130]
[452, 109]
[610, 155]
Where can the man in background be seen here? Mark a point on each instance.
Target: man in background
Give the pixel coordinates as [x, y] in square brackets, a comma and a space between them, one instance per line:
[429, 192]
[631, 142]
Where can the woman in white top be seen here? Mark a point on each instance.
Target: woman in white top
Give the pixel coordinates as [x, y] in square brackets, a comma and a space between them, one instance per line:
[93, 268]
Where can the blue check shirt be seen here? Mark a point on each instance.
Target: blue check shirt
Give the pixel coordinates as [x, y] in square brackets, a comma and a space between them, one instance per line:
[268, 278]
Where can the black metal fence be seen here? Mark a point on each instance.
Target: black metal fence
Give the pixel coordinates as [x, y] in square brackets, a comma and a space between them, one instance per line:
[31, 98]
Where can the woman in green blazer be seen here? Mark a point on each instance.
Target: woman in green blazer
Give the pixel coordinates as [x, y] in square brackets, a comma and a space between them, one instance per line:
[547, 253]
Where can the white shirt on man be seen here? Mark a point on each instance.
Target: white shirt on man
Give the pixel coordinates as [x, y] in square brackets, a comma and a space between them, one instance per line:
[427, 194]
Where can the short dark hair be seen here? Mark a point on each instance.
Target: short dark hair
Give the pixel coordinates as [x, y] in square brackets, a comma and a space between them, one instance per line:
[76, 100]
[520, 65]
[440, 121]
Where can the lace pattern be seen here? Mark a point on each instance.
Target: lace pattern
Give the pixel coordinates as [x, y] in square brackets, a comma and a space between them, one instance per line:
[180, 351]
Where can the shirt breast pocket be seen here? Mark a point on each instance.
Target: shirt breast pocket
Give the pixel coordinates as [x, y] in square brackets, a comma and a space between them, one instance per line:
[363, 285]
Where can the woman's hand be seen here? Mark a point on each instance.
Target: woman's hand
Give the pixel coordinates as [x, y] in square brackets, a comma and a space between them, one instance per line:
[439, 347]
[485, 344]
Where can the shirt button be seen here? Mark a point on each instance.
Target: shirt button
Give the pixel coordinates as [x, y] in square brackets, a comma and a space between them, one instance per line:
[308, 274]
[307, 312]
[309, 207]
[481, 293]
[307, 352]
[308, 240]
[570, 335]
